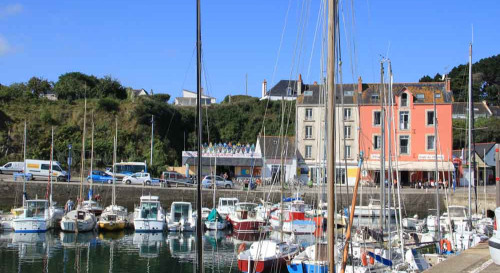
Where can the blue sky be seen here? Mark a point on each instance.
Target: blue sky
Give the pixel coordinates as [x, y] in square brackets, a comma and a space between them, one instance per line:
[150, 44]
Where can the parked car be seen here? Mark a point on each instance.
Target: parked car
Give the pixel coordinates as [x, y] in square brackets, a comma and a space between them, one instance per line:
[12, 167]
[138, 178]
[175, 177]
[100, 176]
[219, 182]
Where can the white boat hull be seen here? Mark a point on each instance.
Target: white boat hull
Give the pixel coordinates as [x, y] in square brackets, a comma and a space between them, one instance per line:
[295, 226]
[71, 223]
[30, 225]
[177, 226]
[215, 225]
[146, 225]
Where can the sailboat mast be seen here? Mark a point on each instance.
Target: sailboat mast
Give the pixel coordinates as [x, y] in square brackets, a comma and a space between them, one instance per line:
[92, 158]
[382, 148]
[24, 166]
[332, 37]
[83, 152]
[282, 177]
[471, 121]
[389, 152]
[199, 242]
[436, 176]
[152, 139]
[51, 162]
[113, 200]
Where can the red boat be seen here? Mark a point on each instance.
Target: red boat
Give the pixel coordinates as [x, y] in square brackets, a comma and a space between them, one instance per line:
[266, 256]
[245, 219]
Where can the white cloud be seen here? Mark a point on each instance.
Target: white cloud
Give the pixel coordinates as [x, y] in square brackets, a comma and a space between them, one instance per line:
[4, 46]
[10, 9]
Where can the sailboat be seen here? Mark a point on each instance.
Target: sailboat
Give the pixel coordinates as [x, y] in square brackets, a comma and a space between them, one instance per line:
[114, 217]
[214, 220]
[92, 205]
[34, 216]
[80, 220]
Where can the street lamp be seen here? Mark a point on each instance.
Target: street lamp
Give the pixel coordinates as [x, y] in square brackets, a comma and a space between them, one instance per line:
[69, 162]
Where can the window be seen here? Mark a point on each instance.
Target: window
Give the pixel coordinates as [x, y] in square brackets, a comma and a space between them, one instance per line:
[308, 93]
[45, 166]
[349, 93]
[430, 143]
[376, 142]
[430, 118]
[308, 151]
[404, 145]
[404, 120]
[420, 97]
[404, 100]
[376, 118]
[375, 98]
[309, 131]
[309, 113]
[347, 113]
[347, 151]
[347, 131]
[288, 91]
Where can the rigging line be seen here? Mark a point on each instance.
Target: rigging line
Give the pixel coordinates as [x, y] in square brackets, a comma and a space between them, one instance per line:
[318, 23]
[349, 44]
[189, 66]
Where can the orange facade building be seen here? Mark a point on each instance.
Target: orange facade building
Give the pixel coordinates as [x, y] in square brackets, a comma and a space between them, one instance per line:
[411, 130]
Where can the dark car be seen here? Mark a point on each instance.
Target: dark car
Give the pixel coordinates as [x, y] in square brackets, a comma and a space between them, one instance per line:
[100, 176]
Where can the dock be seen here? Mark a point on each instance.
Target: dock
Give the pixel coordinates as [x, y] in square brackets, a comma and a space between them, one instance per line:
[475, 260]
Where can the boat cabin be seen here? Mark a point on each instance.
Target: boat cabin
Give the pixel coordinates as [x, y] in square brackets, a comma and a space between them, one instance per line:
[149, 207]
[180, 210]
[245, 210]
[36, 208]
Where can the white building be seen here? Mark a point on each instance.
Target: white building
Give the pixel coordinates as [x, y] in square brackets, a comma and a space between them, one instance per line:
[270, 148]
[189, 99]
[310, 132]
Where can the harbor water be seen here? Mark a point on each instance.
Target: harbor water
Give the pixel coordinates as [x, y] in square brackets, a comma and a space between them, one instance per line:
[115, 252]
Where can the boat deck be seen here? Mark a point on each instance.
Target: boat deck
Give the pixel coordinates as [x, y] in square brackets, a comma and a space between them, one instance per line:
[476, 259]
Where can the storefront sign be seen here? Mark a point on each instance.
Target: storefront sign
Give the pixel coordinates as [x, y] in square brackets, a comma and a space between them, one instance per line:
[375, 156]
[430, 157]
[222, 155]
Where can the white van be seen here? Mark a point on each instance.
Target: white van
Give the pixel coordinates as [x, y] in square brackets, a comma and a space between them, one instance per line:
[12, 167]
[40, 169]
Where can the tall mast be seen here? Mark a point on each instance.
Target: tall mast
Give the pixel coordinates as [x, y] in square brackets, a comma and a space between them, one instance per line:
[24, 166]
[282, 176]
[382, 148]
[436, 176]
[49, 193]
[152, 139]
[83, 152]
[332, 37]
[199, 242]
[389, 152]
[471, 122]
[115, 140]
[91, 159]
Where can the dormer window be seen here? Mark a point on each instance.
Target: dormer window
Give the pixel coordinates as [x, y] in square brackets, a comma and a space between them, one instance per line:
[288, 91]
[404, 100]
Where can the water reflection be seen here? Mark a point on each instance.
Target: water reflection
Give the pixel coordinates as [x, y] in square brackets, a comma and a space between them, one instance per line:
[124, 251]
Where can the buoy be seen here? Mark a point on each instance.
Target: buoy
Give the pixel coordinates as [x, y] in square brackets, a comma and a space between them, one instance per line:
[445, 242]
[242, 248]
[363, 259]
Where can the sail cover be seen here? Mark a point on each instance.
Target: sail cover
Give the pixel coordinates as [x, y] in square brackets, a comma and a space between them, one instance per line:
[214, 216]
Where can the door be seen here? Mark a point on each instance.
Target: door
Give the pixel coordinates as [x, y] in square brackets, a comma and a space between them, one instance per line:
[405, 178]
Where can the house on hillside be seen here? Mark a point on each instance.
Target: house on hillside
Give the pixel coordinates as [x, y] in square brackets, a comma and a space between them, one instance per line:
[134, 93]
[481, 110]
[189, 99]
[49, 95]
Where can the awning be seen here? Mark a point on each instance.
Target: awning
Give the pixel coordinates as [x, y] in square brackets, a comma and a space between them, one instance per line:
[411, 166]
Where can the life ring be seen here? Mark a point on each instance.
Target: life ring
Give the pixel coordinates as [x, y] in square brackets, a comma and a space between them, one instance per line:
[445, 242]
[242, 248]
[364, 262]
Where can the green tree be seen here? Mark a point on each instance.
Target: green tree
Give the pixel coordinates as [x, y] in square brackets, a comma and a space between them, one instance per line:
[39, 86]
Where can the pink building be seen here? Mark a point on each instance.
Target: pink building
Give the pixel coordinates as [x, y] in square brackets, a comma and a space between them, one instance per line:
[412, 131]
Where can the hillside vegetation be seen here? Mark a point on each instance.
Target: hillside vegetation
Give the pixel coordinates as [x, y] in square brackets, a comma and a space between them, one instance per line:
[240, 120]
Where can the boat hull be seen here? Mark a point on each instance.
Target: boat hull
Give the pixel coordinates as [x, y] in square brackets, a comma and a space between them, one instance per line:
[307, 267]
[247, 226]
[111, 225]
[77, 226]
[30, 225]
[144, 225]
[494, 245]
[259, 266]
[215, 225]
[296, 226]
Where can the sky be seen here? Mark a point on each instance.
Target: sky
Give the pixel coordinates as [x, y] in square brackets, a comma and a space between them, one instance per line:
[151, 44]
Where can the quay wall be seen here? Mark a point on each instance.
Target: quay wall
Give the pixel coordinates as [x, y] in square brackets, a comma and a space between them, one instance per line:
[413, 201]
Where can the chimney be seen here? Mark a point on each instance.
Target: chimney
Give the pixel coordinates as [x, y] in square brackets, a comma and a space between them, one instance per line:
[315, 83]
[360, 85]
[299, 85]
[264, 88]
[447, 81]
